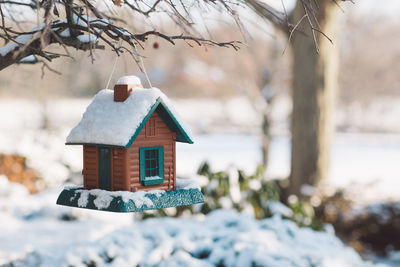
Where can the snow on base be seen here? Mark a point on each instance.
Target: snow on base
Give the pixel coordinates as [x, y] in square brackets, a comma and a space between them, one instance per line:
[187, 184]
[103, 198]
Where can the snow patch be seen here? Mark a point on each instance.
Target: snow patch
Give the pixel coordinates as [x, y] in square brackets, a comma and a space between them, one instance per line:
[277, 208]
[19, 41]
[186, 184]
[9, 190]
[129, 80]
[153, 178]
[92, 20]
[65, 33]
[29, 59]
[84, 198]
[91, 38]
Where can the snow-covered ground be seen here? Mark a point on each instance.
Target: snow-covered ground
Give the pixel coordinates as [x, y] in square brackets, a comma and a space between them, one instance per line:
[36, 232]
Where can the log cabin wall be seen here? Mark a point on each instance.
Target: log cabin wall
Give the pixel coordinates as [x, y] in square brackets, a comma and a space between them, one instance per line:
[118, 170]
[90, 167]
[155, 133]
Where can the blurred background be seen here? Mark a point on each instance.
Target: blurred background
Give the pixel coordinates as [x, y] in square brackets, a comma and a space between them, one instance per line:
[239, 105]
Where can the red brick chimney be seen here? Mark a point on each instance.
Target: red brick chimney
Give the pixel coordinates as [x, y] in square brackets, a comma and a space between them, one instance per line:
[124, 86]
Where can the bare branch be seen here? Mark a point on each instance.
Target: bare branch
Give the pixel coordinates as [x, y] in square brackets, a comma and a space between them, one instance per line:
[70, 17]
[17, 3]
[137, 9]
[76, 28]
[277, 18]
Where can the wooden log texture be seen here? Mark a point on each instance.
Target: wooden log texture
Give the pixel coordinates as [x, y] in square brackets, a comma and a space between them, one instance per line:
[155, 133]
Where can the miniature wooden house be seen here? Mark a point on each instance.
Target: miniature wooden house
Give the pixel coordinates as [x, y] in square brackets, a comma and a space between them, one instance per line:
[129, 139]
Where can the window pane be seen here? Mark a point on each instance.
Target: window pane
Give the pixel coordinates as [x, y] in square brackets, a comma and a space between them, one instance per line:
[151, 162]
[154, 172]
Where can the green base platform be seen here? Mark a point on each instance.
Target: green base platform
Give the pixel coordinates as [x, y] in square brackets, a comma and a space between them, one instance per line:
[121, 201]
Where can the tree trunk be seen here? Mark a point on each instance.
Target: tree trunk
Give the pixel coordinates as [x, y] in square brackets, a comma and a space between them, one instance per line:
[314, 88]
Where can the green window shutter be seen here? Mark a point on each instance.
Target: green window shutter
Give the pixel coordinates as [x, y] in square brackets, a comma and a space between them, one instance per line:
[151, 165]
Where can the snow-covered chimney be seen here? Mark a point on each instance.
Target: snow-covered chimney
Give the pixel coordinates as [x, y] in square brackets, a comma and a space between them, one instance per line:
[124, 86]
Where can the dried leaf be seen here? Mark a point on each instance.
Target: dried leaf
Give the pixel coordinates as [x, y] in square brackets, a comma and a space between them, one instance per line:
[55, 11]
[117, 2]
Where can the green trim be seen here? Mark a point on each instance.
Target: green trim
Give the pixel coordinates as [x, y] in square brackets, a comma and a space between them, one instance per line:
[153, 182]
[142, 160]
[138, 129]
[182, 136]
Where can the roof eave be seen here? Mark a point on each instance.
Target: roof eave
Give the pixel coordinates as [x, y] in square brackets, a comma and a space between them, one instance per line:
[92, 144]
[159, 101]
[186, 137]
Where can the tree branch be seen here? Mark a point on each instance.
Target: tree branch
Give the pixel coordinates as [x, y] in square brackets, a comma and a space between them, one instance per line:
[277, 18]
[70, 17]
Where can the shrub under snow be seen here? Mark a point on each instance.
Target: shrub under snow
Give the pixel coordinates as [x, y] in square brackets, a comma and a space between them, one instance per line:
[222, 238]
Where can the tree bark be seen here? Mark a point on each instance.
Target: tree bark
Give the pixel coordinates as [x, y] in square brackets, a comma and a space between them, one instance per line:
[314, 88]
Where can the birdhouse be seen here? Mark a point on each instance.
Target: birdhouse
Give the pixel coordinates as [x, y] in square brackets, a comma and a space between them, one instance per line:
[129, 137]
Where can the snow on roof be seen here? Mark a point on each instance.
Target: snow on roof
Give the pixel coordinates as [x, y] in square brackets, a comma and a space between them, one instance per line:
[129, 80]
[115, 123]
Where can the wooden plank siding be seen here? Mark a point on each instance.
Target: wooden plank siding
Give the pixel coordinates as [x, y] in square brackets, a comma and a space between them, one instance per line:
[125, 165]
[155, 133]
[90, 167]
[118, 169]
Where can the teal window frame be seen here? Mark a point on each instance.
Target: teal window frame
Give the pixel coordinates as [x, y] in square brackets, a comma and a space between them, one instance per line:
[142, 154]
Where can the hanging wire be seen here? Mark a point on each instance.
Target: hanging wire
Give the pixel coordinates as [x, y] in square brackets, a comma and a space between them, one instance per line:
[142, 64]
[114, 66]
[112, 71]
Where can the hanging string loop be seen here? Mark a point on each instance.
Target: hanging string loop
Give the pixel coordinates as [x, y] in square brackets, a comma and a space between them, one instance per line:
[143, 68]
